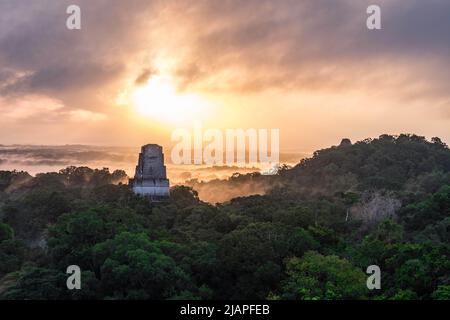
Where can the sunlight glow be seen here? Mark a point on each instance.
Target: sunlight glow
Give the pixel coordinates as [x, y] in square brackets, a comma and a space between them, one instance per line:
[159, 100]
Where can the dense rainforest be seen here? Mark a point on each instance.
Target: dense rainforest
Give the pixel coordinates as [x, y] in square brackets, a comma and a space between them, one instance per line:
[312, 235]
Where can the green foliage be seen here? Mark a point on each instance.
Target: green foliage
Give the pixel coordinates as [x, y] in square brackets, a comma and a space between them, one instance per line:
[389, 162]
[12, 255]
[13, 179]
[407, 267]
[133, 267]
[72, 239]
[442, 293]
[184, 196]
[38, 284]
[405, 295]
[389, 232]
[434, 209]
[316, 277]
[308, 237]
[6, 232]
[12, 251]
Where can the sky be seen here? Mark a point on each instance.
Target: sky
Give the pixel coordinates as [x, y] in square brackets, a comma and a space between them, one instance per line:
[137, 70]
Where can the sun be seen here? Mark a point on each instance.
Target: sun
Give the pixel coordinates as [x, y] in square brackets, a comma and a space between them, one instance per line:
[158, 99]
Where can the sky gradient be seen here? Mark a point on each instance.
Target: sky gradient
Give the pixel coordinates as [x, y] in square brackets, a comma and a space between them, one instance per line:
[310, 68]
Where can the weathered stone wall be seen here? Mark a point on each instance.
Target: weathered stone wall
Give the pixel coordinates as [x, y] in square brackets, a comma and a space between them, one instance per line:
[150, 178]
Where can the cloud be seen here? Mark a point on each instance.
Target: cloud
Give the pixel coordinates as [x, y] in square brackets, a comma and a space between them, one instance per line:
[144, 76]
[86, 115]
[234, 48]
[59, 78]
[57, 62]
[37, 108]
[28, 107]
[318, 45]
[251, 46]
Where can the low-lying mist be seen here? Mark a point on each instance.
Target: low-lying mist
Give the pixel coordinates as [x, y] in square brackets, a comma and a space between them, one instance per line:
[213, 183]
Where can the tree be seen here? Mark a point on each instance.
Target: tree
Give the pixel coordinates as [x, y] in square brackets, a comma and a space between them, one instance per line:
[436, 207]
[389, 232]
[12, 255]
[442, 293]
[38, 284]
[72, 238]
[12, 251]
[132, 266]
[6, 232]
[251, 258]
[184, 196]
[315, 276]
[437, 141]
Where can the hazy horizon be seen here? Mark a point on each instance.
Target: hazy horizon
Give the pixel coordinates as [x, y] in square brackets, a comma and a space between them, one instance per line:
[41, 159]
[132, 74]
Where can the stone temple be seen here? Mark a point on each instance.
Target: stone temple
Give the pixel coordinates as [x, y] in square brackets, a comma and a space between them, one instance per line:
[150, 179]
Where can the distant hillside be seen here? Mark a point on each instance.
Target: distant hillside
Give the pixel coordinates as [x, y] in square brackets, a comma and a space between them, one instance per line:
[389, 162]
[404, 162]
